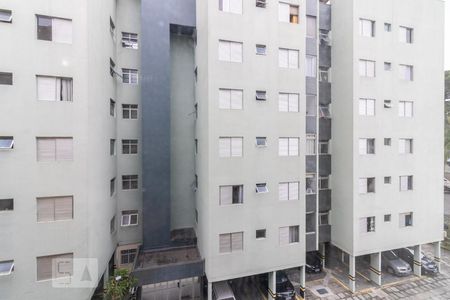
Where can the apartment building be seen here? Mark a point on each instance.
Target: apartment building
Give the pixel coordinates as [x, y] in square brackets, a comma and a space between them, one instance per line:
[387, 128]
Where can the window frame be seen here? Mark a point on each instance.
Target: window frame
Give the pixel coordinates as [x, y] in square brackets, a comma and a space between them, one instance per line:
[130, 76]
[9, 144]
[362, 28]
[130, 214]
[7, 206]
[11, 267]
[130, 182]
[6, 11]
[130, 40]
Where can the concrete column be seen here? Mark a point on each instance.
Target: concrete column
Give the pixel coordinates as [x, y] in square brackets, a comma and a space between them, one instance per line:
[179, 289]
[351, 273]
[437, 254]
[210, 297]
[272, 285]
[302, 282]
[375, 267]
[322, 253]
[417, 263]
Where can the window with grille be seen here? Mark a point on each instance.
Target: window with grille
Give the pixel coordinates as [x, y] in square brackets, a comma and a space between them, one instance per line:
[231, 194]
[130, 40]
[288, 191]
[288, 146]
[130, 111]
[54, 29]
[50, 88]
[130, 76]
[54, 149]
[127, 256]
[129, 146]
[129, 218]
[231, 242]
[129, 182]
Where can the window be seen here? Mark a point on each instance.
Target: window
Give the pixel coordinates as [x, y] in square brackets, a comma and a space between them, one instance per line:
[387, 180]
[366, 146]
[366, 107]
[387, 141]
[51, 209]
[260, 49]
[311, 66]
[288, 235]
[261, 188]
[196, 111]
[405, 35]
[310, 144]
[230, 146]
[130, 111]
[6, 142]
[129, 218]
[6, 267]
[112, 186]
[6, 78]
[6, 204]
[311, 27]
[324, 148]
[46, 265]
[324, 219]
[51, 88]
[387, 66]
[366, 28]
[324, 112]
[112, 108]
[231, 194]
[112, 147]
[288, 102]
[129, 146]
[288, 58]
[288, 13]
[367, 185]
[230, 51]
[112, 28]
[230, 99]
[406, 72]
[112, 225]
[54, 149]
[260, 234]
[130, 76]
[5, 16]
[387, 218]
[130, 40]
[231, 6]
[367, 224]
[310, 184]
[406, 219]
[387, 104]
[387, 27]
[406, 183]
[405, 146]
[261, 3]
[288, 191]
[288, 146]
[261, 141]
[196, 146]
[127, 256]
[112, 67]
[324, 183]
[405, 109]
[231, 242]
[54, 29]
[129, 182]
[366, 68]
[261, 96]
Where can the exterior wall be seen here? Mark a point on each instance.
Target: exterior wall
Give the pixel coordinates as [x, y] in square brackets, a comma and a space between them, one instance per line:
[86, 119]
[257, 165]
[426, 127]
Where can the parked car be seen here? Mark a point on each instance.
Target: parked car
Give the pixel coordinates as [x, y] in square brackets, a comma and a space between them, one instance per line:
[428, 265]
[313, 262]
[395, 265]
[222, 291]
[446, 185]
[284, 288]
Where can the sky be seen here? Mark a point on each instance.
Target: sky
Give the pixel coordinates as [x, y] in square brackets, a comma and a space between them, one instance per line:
[447, 34]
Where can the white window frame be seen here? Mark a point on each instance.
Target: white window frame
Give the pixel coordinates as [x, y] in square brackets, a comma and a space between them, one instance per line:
[233, 246]
[130, 40]
[367, 107]
[261, 188]
[406, 34]
[6, 142]
[364, 146]
[406, 72]
[406, 183]
[406, 109]
[364, 185]
[231, 99]
[291, 57]
[405, 146]
[365, 70]
[310, 147]
[4, 16]
[291, 143]
[288, 102]
[261, 141]
[260, 95]
[311, 66]
[227, 48]
[232, 144]
[10, 270]
[130, 109]
[289, 191]
[125, 220]
[231, 6]
[261, 49]
[366, 28]
[130, 76]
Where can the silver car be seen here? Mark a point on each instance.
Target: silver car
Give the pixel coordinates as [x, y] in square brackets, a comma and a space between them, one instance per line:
[395, 265]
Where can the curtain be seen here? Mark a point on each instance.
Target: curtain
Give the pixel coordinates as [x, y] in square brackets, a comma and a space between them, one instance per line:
[293, 146]
[226, 194]
[283, 191]
[62, 31]
[236, 52]
[236, 99]
[293, 102]
[224, 147]
[293, 190]
[283, 102]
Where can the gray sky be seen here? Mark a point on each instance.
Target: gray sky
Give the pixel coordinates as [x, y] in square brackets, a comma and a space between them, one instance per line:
[447, 34]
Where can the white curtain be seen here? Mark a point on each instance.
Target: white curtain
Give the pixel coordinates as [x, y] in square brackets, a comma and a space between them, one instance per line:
[293, 102]
[283, 12]
[283, 58]
[236, 99]
[284, 235]
[236, 52]
[283, 146]
[293, 190]
[62, 31]
[293, 146]
[224, 147]
[236, 147]
[283, 191]
[283, 100]
[224, 99]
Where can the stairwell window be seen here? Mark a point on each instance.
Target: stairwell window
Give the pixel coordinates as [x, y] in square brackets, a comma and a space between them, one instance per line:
[112, 225]
[129, 182]
[289, 235]
[231, 194]
[366, 185]
[288, 191]
[230, 99]
[405, 109]
[129, 218]
[366, 107]
[112, 187]
[54, 149]
[54, 29]
[231, 6]
[6, 78]
[112, 108]
[130, 76]
[288, 58]
[230, 51]
[406, 183]
[231, 242]
[406, 72]
[51, 88]
[366, 28]
[288, 102]
[405, 34]
[288, 146]
[6, 142]
[366, 68]
[366, 146]
[230, 146]
[405, 146]
[130, 40]
[5, 16]
[288, 13]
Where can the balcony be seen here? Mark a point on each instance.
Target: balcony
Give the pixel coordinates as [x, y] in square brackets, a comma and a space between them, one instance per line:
[311, 85]
[311, 204]
[324, 16]
[311, 125]
[311, 8]
[324, 56]
[311, 242]
[311, 164]
[324, 93]
[324, 165]
[324, 129]
[324, 233]
[324, 200]
[311, 46]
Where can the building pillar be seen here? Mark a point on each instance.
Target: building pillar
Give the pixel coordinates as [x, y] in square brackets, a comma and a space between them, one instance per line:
[210, 297]
[302, 282]
[179, 289]
[437, 254]
[351, 273]
[375, 267]
[272, 285]
[417, 262]
[322, 249]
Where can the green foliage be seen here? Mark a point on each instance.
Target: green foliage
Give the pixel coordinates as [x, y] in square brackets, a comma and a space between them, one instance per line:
[119, 285]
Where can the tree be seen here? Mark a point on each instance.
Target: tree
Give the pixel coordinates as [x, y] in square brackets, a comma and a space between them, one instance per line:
[119, 285]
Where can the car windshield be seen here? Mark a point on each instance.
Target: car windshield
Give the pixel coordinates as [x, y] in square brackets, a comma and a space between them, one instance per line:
[390, 255]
